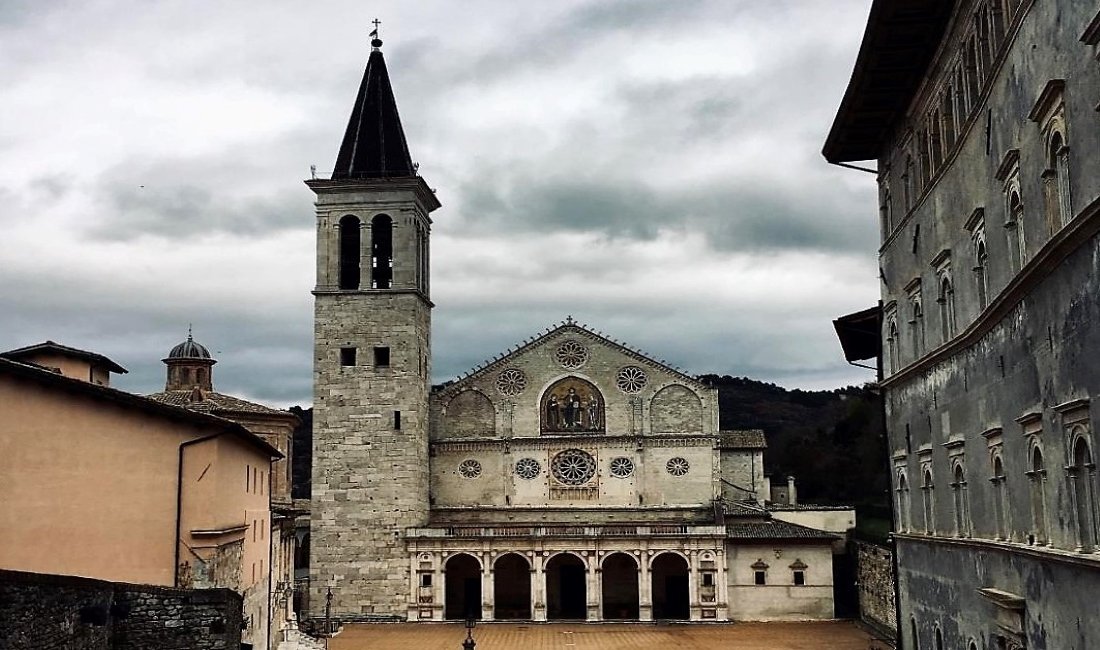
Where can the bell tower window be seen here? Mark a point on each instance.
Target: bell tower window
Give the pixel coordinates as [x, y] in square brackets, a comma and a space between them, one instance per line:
[349, 252]
[381, 252]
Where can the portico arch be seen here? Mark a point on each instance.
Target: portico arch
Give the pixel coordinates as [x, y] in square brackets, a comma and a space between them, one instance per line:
[669, 580]
[511, 587]
[566, 589]
[620, 587]
[462, 592]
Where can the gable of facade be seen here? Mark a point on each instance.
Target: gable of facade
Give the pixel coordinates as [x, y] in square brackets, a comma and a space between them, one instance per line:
[574, 419]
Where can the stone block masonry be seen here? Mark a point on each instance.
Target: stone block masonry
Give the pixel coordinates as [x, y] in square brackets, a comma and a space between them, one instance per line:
[370, 469]
[43, 612]
[877, 583]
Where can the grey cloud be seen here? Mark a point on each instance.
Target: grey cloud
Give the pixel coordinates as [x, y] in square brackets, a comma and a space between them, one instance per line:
[625, 15]
[734, 218]
[186, 198]
[266, 358]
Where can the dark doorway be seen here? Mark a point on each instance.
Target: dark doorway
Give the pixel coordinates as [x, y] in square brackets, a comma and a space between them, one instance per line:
[620, 587]
[512, 588]
[463, 588]
[670, 587]
[566, 596]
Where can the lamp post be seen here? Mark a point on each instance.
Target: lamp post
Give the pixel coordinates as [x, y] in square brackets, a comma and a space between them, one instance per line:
[469, 643]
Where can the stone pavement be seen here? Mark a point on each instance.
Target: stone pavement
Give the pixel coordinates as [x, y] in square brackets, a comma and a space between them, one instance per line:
[825, 635]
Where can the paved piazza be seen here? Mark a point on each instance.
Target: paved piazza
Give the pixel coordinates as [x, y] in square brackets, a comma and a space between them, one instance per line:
[831, 635]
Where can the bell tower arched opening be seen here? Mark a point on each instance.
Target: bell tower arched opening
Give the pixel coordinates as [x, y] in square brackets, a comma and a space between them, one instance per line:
[349, 252]
[381, 255]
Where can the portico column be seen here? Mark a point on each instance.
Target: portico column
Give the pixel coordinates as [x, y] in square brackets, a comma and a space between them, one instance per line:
[693, 588]
[645, 588]
[538, 588]
[722, 587]
[439, 585]
[594, 592]
[488, 594]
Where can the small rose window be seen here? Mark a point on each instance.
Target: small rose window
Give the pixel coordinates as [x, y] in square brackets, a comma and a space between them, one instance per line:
[677, 466]
[470, 468]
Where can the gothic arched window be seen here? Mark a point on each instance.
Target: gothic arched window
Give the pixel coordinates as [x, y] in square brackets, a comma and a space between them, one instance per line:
[349, 252]
[381, 253]
[1000, 498]
[947, 308]
[1037, 476]
[962, 502]
[981, 275]
[929, 505]
[1017, 241]
[1082, 474]
[1055, 183]
[903, 504]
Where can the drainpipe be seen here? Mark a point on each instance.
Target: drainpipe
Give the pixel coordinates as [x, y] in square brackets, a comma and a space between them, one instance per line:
[179, 502]
[271, 557]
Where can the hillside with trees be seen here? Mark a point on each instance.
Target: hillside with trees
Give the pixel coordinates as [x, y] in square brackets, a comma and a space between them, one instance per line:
[832, 442]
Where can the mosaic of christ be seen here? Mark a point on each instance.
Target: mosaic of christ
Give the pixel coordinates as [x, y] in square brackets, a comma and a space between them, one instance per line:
[572, 405]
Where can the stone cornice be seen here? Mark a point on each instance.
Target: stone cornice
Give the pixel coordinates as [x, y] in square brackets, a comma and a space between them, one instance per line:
[416, 184]
[1045, 553]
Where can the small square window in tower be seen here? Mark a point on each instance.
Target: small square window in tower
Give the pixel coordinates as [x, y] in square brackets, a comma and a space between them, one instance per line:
[382, 357]
[347, 356]
[800, 578]
[759, 577]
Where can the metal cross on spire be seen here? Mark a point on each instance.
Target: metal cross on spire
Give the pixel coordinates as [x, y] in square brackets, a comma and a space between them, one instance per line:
[375, 41]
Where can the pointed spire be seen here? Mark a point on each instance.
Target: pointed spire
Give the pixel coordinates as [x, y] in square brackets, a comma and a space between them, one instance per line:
[374, 144]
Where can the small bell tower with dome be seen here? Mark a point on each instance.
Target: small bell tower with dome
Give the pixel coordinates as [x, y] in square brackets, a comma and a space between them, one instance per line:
[189, 366]
[372, 355]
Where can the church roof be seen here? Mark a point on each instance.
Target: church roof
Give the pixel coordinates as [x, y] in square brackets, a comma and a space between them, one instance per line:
[24, 353]
[568, 326]
[210, 402]
[774, 529]
[741, 509]
[748, 439]
[374, 144]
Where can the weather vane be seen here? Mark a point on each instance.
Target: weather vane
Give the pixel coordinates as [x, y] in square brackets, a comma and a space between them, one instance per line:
[375, 41]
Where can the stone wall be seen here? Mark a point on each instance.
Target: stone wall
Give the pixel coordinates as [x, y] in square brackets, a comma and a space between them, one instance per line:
[48, 611]
[876, 580]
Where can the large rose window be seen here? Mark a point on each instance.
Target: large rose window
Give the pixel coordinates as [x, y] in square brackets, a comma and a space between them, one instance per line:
[573, 467]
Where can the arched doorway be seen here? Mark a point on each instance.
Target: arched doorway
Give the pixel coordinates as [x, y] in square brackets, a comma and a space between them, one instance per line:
[620, 587]
[566, 593]
[670, 587]
[462, 595]
[511, 588]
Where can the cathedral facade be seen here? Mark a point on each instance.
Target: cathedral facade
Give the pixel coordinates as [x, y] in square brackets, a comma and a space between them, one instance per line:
[573, 478]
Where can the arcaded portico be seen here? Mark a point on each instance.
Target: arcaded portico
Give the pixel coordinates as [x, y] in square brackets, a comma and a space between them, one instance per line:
[572, 573]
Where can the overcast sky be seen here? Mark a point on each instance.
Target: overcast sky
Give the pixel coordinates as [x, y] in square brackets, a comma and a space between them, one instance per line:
[650, 167]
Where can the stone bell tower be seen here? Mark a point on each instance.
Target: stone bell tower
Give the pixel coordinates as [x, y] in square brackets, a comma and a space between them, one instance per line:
[372, 353]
